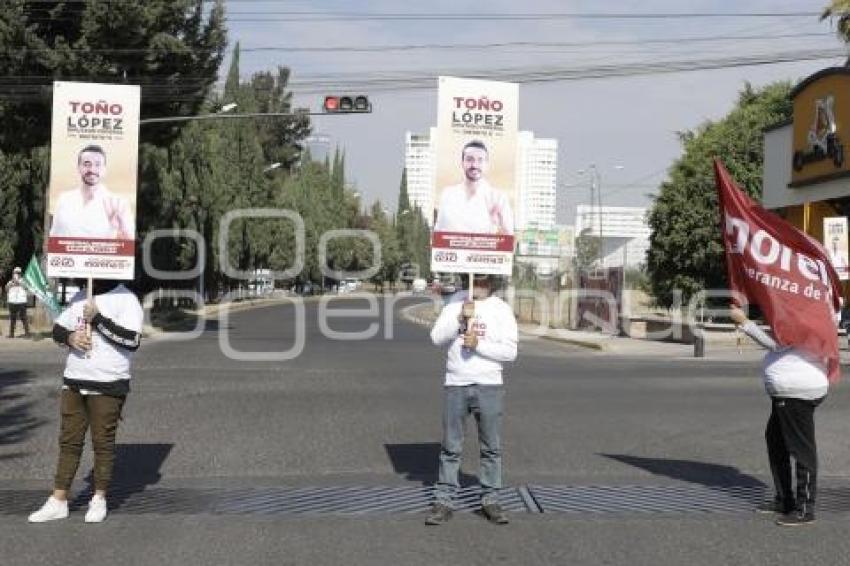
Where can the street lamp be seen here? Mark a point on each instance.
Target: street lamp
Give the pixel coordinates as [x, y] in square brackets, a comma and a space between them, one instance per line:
[596, 186]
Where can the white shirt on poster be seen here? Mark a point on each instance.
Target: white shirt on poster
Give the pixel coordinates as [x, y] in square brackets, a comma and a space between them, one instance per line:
[76, 217]
[460, 212]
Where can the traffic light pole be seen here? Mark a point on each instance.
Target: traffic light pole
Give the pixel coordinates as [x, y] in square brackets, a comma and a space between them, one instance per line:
[251, 115]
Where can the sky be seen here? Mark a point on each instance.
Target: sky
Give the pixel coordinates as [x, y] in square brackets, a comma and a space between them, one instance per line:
[626, 126]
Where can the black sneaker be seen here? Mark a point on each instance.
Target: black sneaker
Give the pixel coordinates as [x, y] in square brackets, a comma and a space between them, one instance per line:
[440, 513]
[795, 518]
[495, 514]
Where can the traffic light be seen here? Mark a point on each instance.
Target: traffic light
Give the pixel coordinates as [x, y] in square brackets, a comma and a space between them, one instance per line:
[347, 104]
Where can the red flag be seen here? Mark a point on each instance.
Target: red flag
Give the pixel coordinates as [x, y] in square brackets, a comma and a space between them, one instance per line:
[786, 272]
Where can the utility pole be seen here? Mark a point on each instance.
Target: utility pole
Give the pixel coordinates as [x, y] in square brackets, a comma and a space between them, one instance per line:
[595, 180]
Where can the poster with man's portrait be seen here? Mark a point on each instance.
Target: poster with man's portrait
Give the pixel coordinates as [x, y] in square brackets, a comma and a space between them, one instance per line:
[92, 194]
[475, 196]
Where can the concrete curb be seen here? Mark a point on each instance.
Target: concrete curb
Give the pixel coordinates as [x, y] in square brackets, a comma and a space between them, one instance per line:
[573, 341]
[408, 314]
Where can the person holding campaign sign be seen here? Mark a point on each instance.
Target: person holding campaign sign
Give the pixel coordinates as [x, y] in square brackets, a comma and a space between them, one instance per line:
[90, 210]
[788, 275]
[95, 386]
[474, 206]
[481, 335]
[92, 236]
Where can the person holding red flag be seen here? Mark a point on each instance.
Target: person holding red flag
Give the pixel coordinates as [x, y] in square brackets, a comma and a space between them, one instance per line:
[797, 384]
[788, 274]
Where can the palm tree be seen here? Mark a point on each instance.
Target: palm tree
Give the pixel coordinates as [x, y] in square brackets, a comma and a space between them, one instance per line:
[839, 10]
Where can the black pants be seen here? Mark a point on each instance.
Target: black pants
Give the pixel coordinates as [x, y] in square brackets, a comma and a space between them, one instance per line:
[17, 311]
[790, 433]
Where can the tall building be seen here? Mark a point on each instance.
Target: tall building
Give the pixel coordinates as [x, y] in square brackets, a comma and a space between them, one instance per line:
[625, 233]
[537, 164]
[420, 163]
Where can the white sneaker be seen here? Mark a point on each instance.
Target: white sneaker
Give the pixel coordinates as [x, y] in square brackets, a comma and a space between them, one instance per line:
[53, 509]
[97, 510]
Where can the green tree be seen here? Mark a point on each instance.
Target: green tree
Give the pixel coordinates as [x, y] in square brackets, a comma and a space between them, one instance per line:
[686, 252]
[839, 11]
[403, 196]
[338, 173]
[172, 48]
[381, 225]
[169, 47]
[587, 250]
[412, 233]
[281, 137]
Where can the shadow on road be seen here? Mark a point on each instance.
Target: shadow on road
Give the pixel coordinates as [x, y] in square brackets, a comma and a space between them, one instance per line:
[703, 473]
[184, 322]
[137, 466]
[16, 421]
[419, 462]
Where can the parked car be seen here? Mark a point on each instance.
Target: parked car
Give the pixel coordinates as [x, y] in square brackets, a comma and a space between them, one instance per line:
[349, 285]
[448, 285]
[419, 286]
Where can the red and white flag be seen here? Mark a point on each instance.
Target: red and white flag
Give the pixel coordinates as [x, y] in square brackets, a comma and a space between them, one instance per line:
[784, 271]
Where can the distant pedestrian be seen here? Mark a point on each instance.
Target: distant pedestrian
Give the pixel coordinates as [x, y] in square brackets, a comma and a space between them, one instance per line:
[481, 335]
[16, 298]
[797, 383]
[95, 385]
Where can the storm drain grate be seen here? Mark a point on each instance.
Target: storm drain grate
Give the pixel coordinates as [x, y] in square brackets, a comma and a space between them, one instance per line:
[630, 499]
[356, 501]
[332, 500]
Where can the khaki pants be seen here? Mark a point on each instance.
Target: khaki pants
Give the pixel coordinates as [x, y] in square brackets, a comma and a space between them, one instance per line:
[79, 412]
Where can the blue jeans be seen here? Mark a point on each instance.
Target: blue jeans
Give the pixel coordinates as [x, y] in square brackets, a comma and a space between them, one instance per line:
[485, 403]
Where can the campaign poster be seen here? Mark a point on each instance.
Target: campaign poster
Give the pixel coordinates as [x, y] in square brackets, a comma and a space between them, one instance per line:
[475, 194]
[94, 150]
[835, 242]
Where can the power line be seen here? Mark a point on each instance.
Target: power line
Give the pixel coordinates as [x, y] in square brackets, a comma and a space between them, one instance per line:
[271, 16]
[318, 16]
[461, 46]
[23, 86]
[514, 44]
[544, 75]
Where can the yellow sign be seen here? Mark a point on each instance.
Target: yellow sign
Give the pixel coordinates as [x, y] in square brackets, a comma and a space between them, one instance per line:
[821, 127]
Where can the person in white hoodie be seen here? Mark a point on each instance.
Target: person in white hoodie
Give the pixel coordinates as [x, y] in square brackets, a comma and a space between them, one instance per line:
[95, 385]
[481, 335]
[796, 383]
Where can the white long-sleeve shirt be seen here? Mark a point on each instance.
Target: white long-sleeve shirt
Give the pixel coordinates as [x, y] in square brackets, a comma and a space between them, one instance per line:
[789, 372]
[495, 325]
[106, 362]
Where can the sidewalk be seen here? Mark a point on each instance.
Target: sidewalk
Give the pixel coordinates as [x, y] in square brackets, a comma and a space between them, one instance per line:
[623, 345]
[718, 346]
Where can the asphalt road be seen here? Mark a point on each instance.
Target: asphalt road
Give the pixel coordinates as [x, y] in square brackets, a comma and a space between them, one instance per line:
[367, 413]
